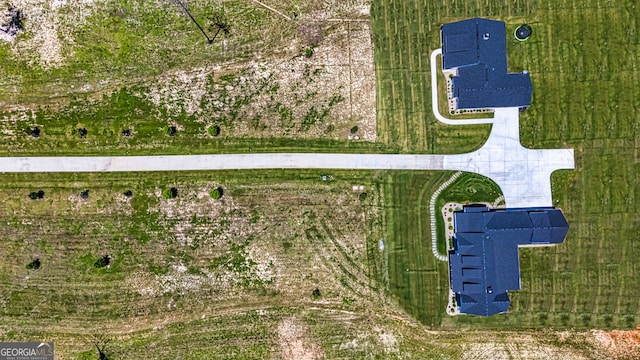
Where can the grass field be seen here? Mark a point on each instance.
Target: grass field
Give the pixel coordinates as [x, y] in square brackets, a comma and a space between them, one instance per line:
[255, 87]
[191, 263]
[583, 63]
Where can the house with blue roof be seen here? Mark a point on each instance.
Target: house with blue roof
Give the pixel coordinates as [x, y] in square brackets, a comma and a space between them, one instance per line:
[484, 263]
[476, 51]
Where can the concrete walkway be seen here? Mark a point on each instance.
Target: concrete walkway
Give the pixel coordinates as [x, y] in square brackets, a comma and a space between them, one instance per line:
[522, 174]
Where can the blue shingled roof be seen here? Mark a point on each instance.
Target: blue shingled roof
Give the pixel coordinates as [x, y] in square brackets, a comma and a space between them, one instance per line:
[477, 48]
[484, 263]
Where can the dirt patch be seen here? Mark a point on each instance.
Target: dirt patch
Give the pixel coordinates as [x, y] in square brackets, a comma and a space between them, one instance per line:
[618, 343]
[295, 343]
[524, 347]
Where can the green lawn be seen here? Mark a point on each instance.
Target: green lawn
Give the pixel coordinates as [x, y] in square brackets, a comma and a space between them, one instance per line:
[583, 62]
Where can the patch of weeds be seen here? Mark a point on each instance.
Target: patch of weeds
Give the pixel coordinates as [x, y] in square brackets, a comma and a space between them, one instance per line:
[157, 269]
[237, 261]
[286, 246]
[194, 270]
[82, 133]
[335, 99]
[254, 216]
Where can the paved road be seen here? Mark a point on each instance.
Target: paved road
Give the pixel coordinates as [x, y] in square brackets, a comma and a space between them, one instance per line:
[522, 174]
[221, 162]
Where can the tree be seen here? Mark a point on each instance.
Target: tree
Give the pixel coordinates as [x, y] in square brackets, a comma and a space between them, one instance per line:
[101, 342]
[12, 21]
[171, 193]
[171, 130]
[214, 130]
[220, 22]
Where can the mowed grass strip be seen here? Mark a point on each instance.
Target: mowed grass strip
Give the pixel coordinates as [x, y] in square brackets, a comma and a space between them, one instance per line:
[583, 60]
[415, 275]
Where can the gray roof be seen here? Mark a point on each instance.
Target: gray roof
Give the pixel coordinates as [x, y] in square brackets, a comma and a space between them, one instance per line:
[484, 263]
[478, 49]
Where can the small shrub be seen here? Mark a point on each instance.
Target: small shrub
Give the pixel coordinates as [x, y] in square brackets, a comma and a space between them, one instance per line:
[308, 52]
[348, 300]
[82, 133]
[34, 265]
[84, 195]
[171, 130]
[103, 262]
[363, 196]
[36, 195]
[126, 132]
[128, 193]
[315, 294]
[171, 193]
[214, 130]
[35, 132]
[216, 193]
[354, 129]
